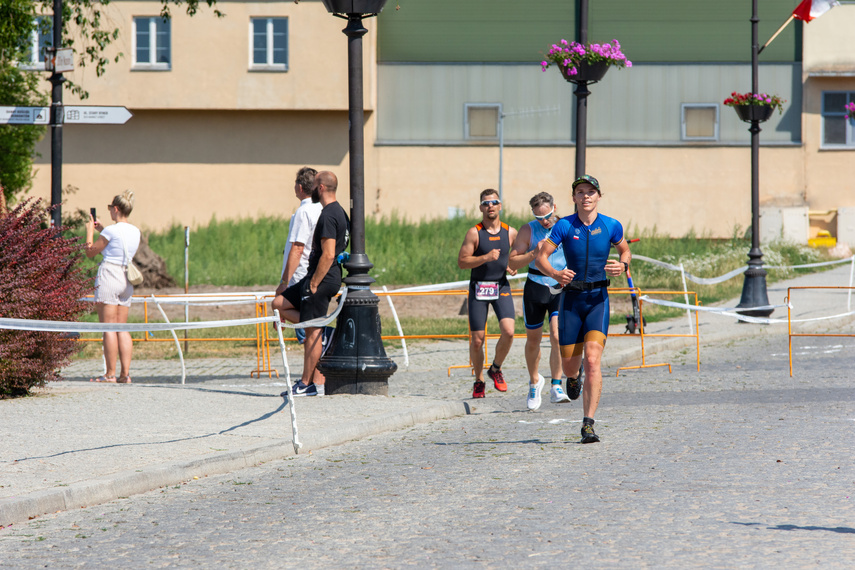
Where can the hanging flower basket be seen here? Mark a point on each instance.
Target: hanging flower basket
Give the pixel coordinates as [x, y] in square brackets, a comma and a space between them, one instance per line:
[754, 106]
[587, 71]
[578, 63]
[354, 6]
[750, 113]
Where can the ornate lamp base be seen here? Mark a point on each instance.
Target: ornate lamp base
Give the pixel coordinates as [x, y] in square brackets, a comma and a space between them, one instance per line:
[356, 362]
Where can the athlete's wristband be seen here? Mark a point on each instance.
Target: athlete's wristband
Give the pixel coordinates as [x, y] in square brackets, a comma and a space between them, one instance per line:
[625, 266]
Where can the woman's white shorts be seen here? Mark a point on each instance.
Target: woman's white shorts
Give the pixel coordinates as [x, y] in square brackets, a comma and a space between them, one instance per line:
[112, 286]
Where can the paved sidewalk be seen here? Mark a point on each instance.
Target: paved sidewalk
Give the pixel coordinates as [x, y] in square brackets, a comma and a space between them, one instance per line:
[78, 443]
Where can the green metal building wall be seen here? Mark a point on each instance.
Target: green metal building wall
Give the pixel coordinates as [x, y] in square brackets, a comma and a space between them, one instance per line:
[521, 30]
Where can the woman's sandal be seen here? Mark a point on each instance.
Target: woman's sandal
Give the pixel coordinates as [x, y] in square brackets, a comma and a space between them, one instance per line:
[108, 379]
[124, 380]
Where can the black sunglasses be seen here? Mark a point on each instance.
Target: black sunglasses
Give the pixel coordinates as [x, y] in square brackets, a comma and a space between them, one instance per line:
[490, 202]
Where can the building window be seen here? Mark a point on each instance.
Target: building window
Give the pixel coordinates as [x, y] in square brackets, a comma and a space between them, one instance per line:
[699, 122]
[837, 130]
[41, 38]
[152, 43]
[481, 121]
[269, 45]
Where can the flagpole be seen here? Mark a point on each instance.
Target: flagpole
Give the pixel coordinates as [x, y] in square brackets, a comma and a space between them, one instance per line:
[775, 35]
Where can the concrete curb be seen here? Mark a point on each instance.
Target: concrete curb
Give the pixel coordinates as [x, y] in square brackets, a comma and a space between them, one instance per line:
[127, 483]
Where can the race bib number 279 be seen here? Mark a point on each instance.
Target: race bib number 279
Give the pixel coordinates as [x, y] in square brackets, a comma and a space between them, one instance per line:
[486, 290]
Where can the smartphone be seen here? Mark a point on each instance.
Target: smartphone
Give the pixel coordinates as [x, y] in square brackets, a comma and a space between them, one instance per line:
[92, 213]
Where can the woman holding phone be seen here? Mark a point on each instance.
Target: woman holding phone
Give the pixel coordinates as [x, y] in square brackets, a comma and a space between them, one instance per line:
[118, 243]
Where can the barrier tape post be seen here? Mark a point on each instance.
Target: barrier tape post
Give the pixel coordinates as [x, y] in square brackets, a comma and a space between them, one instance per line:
[175, 336]
[851, 275]
[686, 296]
[295, 439]
[398, 324]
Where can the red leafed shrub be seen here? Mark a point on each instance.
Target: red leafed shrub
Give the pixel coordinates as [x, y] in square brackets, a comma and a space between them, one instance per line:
[40, 279]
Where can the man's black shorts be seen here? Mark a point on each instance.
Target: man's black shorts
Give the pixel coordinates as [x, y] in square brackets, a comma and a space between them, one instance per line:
[503, 307]
[539, 303]
[311, 306]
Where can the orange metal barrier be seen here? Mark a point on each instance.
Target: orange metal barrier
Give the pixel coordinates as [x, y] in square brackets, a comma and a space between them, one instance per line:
[790, 332]
[643, 334]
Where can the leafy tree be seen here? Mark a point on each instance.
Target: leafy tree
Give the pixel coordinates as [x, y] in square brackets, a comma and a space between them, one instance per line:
[83, 30]
[17, 87]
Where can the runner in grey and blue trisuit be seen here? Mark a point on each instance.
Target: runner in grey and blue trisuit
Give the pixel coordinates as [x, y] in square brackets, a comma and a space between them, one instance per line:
[540, 299]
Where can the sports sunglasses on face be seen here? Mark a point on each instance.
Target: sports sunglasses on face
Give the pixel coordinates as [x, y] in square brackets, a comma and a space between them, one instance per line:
[545, 216]
[490, 202]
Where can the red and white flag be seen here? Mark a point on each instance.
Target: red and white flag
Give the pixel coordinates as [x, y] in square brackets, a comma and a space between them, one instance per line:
[810, 9]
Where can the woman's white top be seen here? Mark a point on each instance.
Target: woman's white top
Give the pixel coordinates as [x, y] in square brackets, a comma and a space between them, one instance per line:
[115, 236]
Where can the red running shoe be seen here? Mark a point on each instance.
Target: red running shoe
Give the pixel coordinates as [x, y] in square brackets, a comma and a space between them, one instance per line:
[498, 379]
[478, 389]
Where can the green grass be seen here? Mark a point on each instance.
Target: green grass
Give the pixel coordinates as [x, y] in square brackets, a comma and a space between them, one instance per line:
[249, 252]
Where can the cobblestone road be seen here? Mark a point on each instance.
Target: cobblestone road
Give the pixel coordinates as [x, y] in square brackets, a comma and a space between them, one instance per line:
[736, 466]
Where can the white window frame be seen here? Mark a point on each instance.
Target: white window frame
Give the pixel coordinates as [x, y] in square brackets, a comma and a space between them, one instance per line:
[36, 61]
[269, 65]
[150, 65]
[850, 123]
[467, 135]
[686, 137]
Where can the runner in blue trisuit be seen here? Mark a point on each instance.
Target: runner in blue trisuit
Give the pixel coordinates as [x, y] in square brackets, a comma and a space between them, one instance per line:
[583, 321]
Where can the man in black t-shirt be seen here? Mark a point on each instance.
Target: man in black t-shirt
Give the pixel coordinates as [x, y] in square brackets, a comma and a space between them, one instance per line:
[310, 297]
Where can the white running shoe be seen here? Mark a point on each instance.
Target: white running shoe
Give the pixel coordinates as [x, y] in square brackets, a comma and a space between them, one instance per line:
[557, 395]
[534, 393]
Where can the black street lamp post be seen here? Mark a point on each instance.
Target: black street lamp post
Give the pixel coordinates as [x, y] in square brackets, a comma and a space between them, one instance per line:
[754, 287]
[582, 93]
[56, 80]
[356, 362]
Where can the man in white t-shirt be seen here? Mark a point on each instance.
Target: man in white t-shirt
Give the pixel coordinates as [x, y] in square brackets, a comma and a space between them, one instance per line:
[295, 259]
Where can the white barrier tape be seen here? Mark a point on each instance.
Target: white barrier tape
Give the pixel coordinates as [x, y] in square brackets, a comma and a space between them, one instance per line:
[71, 326]
[821, 264]
[731, 311]
[295, 438]
[320, 321]
[689, 276]
[735, 272]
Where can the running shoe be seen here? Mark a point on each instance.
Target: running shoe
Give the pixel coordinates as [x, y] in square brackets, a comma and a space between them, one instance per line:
[300, 389]
[534, 393]
[588, 435]
[557, 395]
[574, 388]
[498, 379]
[478, 389]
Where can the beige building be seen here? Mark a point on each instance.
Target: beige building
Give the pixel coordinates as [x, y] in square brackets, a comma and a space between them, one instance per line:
[223, 119]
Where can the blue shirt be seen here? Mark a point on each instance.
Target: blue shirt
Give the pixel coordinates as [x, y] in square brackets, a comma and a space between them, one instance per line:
[586, 248]
[556, 258]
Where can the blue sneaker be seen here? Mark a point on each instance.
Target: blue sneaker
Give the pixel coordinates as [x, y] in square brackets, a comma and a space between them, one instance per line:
[300, 389]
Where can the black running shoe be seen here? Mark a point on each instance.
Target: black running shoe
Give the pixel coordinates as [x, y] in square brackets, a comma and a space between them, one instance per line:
[588, 435]
[574, 388]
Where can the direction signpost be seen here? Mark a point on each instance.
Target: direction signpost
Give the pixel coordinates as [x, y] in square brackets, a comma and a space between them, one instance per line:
[69, 115]
[24, 115]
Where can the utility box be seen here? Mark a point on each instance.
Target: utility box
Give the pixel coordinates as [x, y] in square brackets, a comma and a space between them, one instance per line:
[846, 226]
[788, 224]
